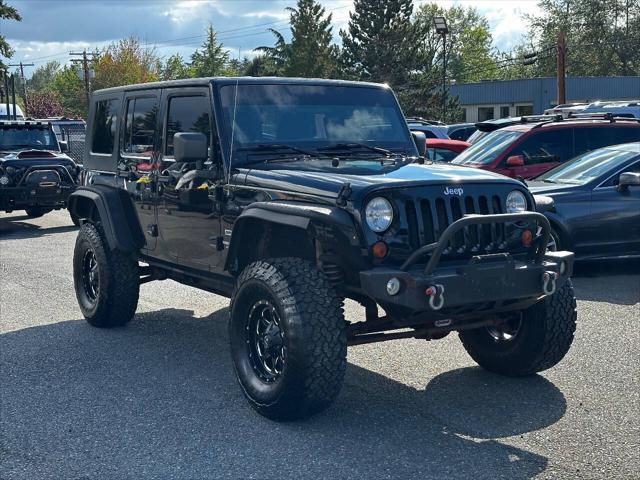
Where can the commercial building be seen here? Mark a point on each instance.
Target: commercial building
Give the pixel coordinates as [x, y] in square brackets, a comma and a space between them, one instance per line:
[532, 96]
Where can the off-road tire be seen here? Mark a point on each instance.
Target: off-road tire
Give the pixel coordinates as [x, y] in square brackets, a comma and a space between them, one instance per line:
[36, 212]
[544, 337]
[313, 331]
[117, 297]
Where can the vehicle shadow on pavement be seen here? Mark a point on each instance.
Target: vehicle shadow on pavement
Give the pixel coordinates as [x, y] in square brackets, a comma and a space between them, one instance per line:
[618, 281]
[16, 228]
[159, 399]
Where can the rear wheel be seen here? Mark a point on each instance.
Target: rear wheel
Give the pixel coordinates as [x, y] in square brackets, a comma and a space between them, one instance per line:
[106, 281]
[288, 338]
[35, 212]
[533, 341]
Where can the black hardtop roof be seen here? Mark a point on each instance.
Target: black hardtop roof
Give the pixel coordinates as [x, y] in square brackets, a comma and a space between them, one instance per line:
[220, 81]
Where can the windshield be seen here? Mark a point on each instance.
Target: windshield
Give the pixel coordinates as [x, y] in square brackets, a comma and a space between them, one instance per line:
[17, 138]
[352, 123]
[487, 149]
[587, 167]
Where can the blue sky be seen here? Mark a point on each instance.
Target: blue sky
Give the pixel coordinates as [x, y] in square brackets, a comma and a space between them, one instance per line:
[52, 28]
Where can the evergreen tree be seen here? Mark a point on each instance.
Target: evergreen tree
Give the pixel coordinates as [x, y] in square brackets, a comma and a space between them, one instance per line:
[175, 68]
[213, 60]
[380, 43]
[7, 13]
[311, 53]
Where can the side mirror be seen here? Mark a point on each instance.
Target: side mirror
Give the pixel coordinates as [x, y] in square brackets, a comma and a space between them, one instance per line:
[515, 161]
[64, 146]
[420, 139]
[190, 147]
[628, 179]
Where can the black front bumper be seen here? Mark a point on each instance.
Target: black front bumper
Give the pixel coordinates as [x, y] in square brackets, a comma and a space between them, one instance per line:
[19, 198]
[487, 283]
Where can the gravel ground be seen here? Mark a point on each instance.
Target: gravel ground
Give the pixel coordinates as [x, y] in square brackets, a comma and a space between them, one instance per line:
[158, 399]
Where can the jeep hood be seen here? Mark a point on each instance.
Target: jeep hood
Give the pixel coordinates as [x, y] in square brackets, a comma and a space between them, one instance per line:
[28, 158]
[328, 184]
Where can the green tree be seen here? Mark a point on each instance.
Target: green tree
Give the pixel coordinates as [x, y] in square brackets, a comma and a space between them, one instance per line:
[175, 68]
[602, 37]
[212, 60]
[124, 63]
[311, 53]
[273, 60]
[7, 13]
[43, 76]
[68, 87]
[381, 42]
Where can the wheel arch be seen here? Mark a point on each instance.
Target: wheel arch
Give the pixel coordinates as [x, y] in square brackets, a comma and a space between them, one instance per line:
[112, 208]
[559, 226]
[279, 229]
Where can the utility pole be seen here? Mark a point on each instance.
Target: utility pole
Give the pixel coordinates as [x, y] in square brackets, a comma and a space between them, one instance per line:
[561, 47]
[22, 79]
[85, 68]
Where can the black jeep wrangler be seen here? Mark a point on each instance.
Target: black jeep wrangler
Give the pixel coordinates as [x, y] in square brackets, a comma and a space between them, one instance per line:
[35, 174]
[289, 196]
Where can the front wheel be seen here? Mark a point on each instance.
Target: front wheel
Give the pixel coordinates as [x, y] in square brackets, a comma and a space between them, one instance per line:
[535, 340]
[288, 338]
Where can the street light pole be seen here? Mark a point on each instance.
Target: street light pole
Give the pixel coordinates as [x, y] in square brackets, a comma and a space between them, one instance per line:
[440, 24]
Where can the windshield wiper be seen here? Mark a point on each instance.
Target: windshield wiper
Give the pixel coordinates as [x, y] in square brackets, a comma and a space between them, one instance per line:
[275, 148]
[356, 146]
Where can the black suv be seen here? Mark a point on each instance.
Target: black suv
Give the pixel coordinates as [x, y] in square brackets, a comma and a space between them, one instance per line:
[289, 196]
[35, 174]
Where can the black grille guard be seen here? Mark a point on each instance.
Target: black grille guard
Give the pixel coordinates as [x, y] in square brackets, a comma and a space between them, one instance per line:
[437, 248]
[35, 168]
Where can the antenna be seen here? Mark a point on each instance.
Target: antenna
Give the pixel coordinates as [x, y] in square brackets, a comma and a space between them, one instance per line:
[233, 130]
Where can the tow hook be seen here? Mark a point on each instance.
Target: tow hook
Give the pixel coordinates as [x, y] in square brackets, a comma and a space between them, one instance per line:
[549, 282]
[436, 296]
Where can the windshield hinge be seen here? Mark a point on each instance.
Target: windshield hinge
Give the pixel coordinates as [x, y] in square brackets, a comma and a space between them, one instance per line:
[344, 194]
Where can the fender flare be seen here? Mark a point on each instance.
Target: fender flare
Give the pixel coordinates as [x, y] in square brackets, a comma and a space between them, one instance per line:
[117, 216]
[319, 222]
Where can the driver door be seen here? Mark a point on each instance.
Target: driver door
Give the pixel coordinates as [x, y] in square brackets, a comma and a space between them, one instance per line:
[188, 225]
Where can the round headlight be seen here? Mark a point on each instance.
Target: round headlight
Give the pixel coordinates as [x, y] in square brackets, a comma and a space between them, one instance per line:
[4, 180]
[516, 202]
[379, 214]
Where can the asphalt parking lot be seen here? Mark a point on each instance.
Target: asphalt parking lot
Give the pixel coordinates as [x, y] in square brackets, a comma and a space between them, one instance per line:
[158, 399]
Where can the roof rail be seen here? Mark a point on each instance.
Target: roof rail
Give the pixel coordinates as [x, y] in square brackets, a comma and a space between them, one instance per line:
[424, 121]
[542, 118]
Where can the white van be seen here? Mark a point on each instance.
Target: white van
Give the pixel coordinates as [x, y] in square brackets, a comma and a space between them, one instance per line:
[3, 112]
[630, 109]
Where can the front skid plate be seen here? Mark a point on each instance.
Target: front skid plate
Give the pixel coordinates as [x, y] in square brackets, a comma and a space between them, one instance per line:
[470, 284]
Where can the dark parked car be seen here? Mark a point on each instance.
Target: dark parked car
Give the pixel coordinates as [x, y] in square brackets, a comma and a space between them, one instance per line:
[596, 197]
[35, 174]
[290, 195]
[461, 131]
[531, 148]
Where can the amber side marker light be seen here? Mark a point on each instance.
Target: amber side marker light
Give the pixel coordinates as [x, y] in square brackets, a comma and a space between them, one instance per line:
[527, 238]
[380, 249]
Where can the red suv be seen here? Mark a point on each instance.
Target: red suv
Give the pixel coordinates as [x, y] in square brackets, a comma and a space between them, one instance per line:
[532, 147]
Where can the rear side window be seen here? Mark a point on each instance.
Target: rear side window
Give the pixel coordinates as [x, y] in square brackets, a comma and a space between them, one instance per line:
[105, 122]
[187, 114]
[546, 146]
[591, 138]
[140, 126]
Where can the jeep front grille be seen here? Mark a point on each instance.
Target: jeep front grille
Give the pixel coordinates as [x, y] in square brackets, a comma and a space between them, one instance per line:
[428, 218]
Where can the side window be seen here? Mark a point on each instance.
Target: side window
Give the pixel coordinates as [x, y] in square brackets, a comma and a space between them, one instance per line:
[140, 126]
[187, 114]
[105, 122]
[591, 138]
[546, 146]
[613, 181]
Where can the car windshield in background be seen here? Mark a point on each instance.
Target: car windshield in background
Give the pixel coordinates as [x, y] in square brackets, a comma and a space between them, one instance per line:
[487, 149]
[588, 167]
[20, 138]
[327, 120]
